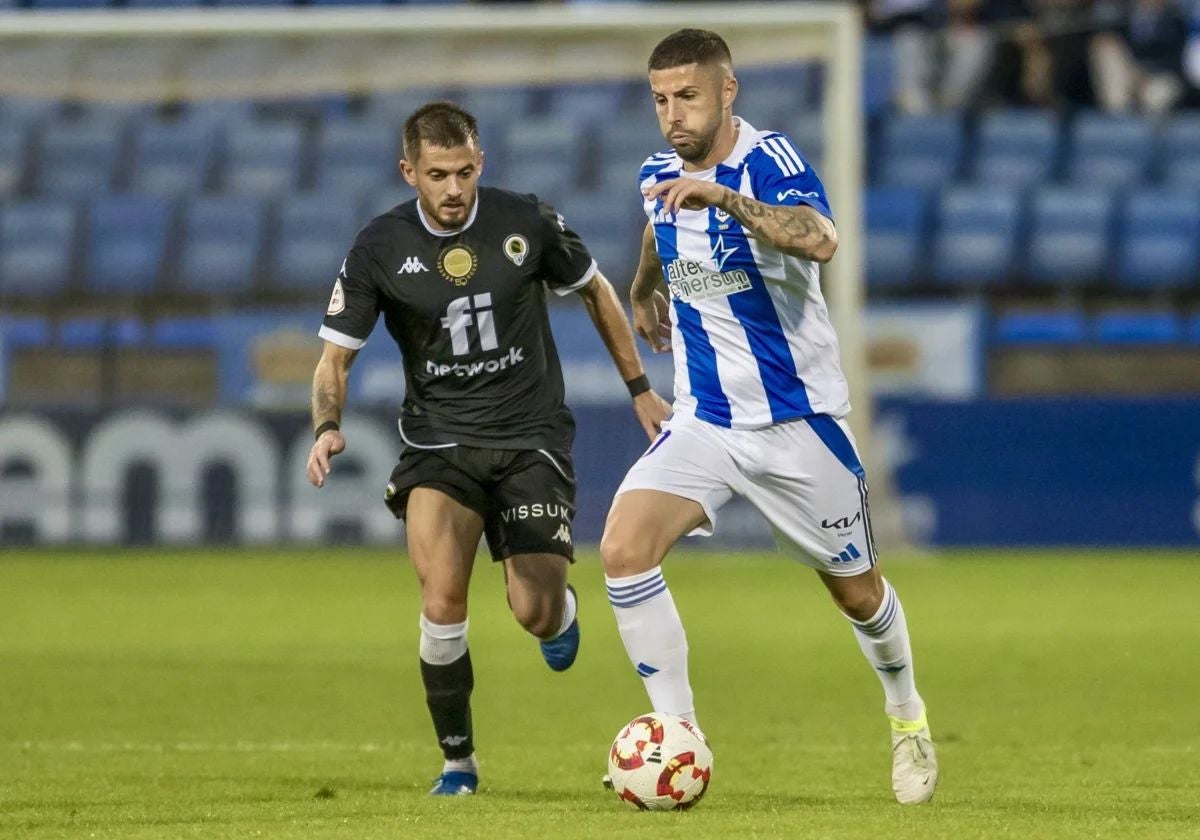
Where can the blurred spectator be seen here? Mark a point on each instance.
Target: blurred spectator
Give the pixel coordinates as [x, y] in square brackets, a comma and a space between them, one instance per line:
[1139, 64]
[910, 23]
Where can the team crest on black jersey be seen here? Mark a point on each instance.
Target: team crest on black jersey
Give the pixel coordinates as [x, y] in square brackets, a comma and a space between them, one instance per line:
[516, 247]
[457, 264]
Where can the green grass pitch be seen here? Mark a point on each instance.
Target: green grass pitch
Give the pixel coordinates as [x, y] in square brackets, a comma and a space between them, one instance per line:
[276, 694]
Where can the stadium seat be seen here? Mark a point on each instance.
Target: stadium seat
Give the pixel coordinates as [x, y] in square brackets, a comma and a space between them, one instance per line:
[1016, 148]
[253, 2]
[1181, 152]
[1039, 328]
[262, 159]
[79, 158]
[23, 331]
[222, 242]
[921, 151]
[184, 333]
[68, 4]
[315, 233]
[162, 4]
[355, 156]
[378, 201]
[36, 242]
[1070, 231]
[896, 222]
[545, 157]
[172, 158]
[1132, 327]
[879, 74]
[976, 238]
[127, 240]
[610, 224]
[1110, 151]
[12, 157]
[1160, 239]
[93, 332]
[1193, 329]
[594, 103]
[622, 153]
[396, 106]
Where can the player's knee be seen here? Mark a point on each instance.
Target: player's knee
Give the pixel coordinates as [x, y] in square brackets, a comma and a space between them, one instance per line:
[623, 554]
[444, 609]
[858, 602]
[539, 616]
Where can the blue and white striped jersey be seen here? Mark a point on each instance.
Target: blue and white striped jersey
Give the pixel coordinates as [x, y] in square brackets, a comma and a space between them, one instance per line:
[751, 335]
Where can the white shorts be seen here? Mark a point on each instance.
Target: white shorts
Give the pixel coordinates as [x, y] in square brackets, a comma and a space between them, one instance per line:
[804, 476]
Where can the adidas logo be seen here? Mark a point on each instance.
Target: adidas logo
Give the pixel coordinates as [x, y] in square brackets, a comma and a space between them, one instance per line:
[412, 265]
[564, 534]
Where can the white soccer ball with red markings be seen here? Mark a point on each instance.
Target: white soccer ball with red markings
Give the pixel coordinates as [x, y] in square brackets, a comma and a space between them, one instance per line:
[660, 763]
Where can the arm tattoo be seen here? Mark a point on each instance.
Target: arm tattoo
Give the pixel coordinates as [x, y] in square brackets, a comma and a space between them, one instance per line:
[326, 402]
[800, 231]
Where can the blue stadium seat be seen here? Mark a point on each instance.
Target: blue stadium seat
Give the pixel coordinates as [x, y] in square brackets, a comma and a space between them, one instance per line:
[1134, 327]
[79, 158]
[355, 156]
[378, 201]
[172, 158]
[1193, 329]
[1016, 148]
[162, 4]
[897, 219]
[127, 240]
[1039, 328]
[184, 333]
[23, 331]
[315, 233]
[92, 332]
[623, 152]
[596, 103]
[18, 111]
[1181, 152]
[610, 224]
[977, 232]
[1110, 151]
[69, 4]
[1160, 239]
[1070, 232]
[396, 106]
[254, 2]
[921, 151]
[222, 242]
[766, 95]
[262, 159]
[36, 243]
[12, 157]
[545, 157]
[879, 74]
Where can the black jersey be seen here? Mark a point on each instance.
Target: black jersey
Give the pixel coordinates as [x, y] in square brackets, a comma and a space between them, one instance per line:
[467, 309]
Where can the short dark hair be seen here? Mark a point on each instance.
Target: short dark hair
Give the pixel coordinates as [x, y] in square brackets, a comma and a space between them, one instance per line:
[690, 46]
[442, 124]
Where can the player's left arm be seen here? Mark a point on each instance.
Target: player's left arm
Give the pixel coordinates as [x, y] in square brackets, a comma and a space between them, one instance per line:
[613, 326]
[796, 229]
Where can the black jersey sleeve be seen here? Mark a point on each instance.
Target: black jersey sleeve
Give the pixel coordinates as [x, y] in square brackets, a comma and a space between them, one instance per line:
[566, 263]
[354, 306]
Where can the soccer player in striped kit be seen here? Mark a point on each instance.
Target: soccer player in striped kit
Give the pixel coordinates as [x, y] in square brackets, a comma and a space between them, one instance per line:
[738, 221]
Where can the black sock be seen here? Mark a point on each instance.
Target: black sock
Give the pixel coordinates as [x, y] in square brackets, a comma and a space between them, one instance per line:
[448, 694]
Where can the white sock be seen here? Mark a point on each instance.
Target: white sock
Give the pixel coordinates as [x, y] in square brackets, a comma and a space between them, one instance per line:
[570, 608]
[654, 639]
[461, 765]
[442, 644]
[884, 641]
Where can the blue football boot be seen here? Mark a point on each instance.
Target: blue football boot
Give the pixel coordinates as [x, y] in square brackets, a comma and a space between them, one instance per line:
[455, 783]
[560, 651]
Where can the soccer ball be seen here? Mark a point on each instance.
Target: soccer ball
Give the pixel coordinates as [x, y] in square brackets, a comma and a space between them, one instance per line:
[660, 763]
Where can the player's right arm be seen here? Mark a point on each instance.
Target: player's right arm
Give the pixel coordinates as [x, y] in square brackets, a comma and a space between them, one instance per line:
[651, 319]
[328, 401]
[351, 315]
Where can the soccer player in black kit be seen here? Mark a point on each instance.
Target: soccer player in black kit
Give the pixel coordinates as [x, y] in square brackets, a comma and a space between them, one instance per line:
[460, 275]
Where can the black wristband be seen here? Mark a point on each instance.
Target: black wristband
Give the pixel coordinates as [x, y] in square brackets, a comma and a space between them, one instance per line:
[638, 385]
[327, 426]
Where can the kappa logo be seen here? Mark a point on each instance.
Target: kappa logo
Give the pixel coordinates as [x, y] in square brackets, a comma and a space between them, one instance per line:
[412, 265]
[454, 740]
[563, 534]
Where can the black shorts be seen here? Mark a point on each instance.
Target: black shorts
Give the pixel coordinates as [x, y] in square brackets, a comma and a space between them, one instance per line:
[526, 497]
